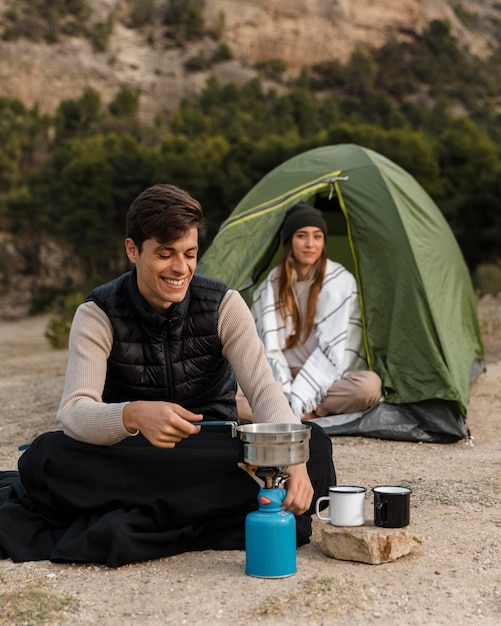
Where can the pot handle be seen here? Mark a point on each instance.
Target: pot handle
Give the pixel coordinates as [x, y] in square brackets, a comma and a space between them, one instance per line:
[214, 423]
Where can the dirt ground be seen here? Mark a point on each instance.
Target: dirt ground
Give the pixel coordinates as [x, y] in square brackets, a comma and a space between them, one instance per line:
[454, 577]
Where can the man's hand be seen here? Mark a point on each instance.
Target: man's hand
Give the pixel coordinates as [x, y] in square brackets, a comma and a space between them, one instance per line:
[299, 489]
[163, 423]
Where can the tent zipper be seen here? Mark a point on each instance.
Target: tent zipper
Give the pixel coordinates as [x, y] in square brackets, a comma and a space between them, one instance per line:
[295, 194]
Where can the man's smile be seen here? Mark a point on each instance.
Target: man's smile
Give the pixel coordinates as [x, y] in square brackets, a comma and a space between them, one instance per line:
[174, 282]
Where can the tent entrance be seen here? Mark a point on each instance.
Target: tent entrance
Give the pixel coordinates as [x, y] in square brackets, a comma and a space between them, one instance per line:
[338, 245]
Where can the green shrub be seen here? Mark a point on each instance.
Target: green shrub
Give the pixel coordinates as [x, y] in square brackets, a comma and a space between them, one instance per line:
[125, 103]
[58, 327]
[11, 14]
[186, 19]
[272, 69]
[10, 34]
[223, 53]
[197, 63]
[100, 34]
[57, 332]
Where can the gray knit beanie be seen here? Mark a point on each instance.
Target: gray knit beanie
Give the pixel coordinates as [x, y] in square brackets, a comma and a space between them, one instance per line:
[300, 215]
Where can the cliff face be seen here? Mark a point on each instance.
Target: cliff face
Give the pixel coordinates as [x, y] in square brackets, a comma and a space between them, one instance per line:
[304, 32]
[301, 32]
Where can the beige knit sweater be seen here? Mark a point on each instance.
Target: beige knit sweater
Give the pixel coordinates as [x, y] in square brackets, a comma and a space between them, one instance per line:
[86, 417]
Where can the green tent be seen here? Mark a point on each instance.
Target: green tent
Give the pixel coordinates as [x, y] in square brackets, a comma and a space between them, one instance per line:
[420, 319]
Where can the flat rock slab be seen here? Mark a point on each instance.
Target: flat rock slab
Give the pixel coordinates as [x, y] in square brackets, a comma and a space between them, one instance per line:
[368, 543]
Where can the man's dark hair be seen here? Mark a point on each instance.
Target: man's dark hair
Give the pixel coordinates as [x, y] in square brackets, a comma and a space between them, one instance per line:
[162, 212]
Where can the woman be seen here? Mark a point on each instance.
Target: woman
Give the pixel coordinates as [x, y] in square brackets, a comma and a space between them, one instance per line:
[308, 316]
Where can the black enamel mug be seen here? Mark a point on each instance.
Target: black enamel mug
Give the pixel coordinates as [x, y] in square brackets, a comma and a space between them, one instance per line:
[391, 506]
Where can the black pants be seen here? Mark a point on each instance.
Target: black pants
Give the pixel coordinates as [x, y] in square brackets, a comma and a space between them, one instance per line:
[78, 502]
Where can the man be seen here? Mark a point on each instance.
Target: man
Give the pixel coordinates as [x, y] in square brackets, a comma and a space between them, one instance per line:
[153, 352]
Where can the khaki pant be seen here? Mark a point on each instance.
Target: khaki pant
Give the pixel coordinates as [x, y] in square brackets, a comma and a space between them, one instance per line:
[357, 391]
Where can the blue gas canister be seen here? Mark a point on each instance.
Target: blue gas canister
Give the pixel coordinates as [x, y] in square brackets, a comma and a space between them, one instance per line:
[270, 537]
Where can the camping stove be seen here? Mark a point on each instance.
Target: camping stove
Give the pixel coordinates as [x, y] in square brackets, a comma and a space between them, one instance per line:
[270, 532]
[266, 451]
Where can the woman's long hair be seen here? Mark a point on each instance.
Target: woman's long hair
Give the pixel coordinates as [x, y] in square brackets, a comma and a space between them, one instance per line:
[287, 300]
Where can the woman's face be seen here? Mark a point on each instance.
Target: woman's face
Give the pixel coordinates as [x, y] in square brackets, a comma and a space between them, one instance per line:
[307, 245]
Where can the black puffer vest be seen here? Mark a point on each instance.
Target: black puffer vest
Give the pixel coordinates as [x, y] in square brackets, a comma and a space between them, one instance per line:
[177, 358]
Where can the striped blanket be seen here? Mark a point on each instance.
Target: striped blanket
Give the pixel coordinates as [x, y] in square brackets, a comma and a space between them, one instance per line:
[337, 327]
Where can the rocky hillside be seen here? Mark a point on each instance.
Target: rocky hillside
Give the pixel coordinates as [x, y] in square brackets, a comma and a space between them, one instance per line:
[42, 67]
[300, 32]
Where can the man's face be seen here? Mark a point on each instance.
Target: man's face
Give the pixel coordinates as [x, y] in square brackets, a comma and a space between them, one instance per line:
[164, 271]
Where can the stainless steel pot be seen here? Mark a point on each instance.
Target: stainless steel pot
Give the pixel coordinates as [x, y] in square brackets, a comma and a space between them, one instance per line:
[271, 445]
[275, 445]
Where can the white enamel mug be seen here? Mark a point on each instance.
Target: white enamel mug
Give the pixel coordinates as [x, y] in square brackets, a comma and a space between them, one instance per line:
[346, 506]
